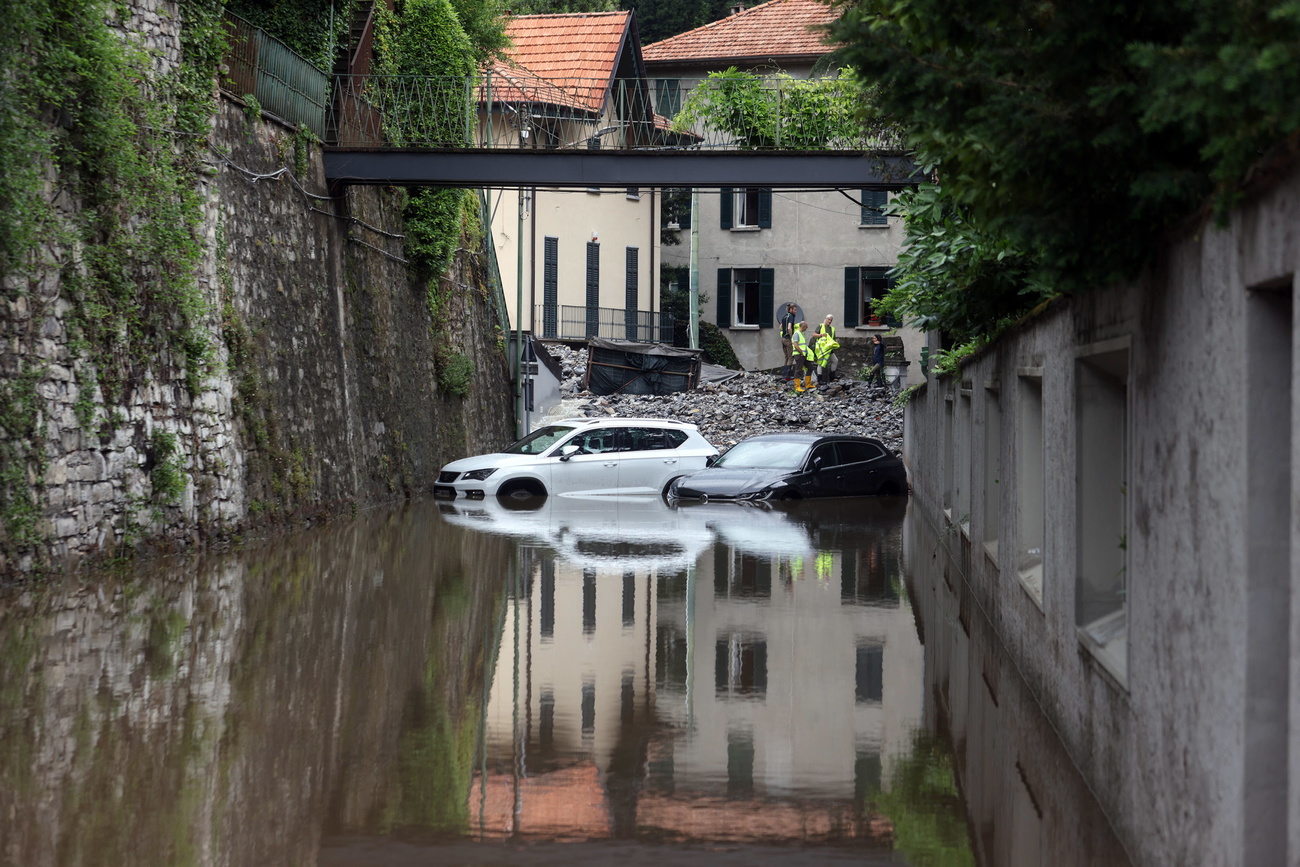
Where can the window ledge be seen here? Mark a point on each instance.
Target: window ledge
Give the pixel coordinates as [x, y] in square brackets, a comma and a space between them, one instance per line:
[744, 327]
[1106, 640]
[872, 328]
[873, 226]
[991, 552]
[1031, 580]
[746, 228]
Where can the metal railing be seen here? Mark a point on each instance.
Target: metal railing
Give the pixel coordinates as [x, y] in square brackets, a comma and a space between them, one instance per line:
[573, 322]
[284, 83]
[521, 110]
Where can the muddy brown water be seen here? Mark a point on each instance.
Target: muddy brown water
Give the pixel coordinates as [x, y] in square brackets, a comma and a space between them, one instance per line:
[607, 680]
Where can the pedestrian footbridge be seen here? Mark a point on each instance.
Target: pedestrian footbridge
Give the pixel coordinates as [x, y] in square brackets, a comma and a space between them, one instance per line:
[520, 130]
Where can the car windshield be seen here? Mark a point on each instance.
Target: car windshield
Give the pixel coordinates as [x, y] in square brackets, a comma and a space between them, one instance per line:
[767, 454]
[539, 440]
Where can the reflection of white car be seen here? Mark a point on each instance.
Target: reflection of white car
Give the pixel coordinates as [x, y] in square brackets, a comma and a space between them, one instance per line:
[615, 531]
[595, 456]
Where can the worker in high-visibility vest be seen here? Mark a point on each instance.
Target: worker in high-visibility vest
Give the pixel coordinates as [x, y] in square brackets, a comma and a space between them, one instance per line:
[822, 354]
[799, 349]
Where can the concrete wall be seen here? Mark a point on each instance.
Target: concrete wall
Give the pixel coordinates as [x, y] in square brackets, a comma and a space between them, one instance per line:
[323, 392]
[1162, 473]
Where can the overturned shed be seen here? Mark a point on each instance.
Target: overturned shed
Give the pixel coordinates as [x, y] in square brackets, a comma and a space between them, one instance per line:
[628, 367]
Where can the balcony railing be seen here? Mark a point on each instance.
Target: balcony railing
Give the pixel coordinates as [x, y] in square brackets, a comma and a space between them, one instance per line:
[572, 322]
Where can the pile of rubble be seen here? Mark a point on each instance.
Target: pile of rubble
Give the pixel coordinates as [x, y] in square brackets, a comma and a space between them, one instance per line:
[741, 407]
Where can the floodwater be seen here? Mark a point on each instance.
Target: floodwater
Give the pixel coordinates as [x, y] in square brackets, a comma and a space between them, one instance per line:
[592, 681]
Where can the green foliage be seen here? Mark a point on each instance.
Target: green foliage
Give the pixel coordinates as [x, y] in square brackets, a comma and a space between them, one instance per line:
[433, 225]
[924, 806]
[660, 19]
[954, 275]
[455, 372]
[1072, 136]
[312, 28]
[424, 40]
[22, 443]
[768, 111]
[483, 23]
[555, 7]
[168, 477]
[252, 108]
[717, 348]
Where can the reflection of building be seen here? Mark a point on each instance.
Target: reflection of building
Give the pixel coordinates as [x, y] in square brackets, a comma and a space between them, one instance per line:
[770, 673]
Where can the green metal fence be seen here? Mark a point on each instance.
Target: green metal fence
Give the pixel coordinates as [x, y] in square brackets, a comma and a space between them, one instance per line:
[284, 83]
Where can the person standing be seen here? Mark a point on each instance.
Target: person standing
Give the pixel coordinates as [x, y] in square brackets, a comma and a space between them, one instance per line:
[789, 320]
[827, 329]
[799, 349]
[877, 372]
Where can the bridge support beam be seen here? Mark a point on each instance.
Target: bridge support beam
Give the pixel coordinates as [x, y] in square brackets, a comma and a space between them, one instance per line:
[608, 168]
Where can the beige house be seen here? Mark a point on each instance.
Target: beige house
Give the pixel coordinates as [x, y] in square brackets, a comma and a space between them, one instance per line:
[587, 256]
[828, 251]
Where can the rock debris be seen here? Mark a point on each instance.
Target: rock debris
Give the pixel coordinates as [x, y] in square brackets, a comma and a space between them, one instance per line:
[742, 407]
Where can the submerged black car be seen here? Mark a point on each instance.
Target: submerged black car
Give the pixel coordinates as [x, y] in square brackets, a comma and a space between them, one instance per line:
[789, 466]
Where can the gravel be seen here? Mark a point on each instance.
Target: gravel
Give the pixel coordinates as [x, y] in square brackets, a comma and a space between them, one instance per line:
[748, 405]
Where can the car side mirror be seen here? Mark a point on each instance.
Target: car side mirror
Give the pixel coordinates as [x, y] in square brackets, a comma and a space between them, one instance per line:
[569, 451]
[711, 460]
[816, 464]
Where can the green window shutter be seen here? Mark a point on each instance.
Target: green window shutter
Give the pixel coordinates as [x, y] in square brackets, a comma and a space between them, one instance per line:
[724, 298]
[852, 299]
[872, 203]
[726, 201]
[766, 296]
[765, 209]
[593, 289]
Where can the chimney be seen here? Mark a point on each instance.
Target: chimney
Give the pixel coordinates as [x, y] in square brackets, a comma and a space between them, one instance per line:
[738, 8]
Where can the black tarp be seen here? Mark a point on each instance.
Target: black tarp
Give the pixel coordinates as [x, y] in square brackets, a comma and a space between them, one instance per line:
[628, 367]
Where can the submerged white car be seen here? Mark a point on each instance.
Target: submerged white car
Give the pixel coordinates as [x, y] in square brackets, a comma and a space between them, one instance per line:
[589, 456]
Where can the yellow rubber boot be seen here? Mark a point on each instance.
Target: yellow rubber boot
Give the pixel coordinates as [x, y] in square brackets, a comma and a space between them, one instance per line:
[808, 383]
[798, 384]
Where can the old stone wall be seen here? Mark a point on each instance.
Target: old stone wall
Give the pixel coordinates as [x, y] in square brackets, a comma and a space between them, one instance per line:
[322, 390]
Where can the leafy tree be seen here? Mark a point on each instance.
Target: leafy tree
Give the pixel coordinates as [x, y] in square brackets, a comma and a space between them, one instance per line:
[776, 110]
[1069, 137]
[659, 19]
[552, 7]
[312, 28]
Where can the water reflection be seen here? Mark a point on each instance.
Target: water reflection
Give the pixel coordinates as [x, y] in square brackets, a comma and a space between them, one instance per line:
[733, 674]
[445, 682]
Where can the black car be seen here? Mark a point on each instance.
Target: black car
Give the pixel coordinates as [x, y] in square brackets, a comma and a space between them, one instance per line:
[789, 466]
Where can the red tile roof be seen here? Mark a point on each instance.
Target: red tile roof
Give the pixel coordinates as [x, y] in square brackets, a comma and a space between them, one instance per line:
[575, 52]
[776, 29]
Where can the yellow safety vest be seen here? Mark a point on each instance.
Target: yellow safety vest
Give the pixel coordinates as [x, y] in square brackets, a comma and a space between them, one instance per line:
[800, 343]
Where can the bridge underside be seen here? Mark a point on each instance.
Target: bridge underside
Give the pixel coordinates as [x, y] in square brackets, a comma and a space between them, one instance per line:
[610, 168]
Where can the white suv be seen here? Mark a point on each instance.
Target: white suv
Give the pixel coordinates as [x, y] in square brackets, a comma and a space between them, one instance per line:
[582, 455]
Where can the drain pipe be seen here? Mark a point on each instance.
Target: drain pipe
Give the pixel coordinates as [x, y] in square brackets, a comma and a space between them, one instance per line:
[695, 268]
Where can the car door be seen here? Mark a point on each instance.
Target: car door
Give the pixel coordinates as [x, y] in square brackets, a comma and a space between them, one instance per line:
[823, 477]
[859, 471]
[649, 459]
[593, 468]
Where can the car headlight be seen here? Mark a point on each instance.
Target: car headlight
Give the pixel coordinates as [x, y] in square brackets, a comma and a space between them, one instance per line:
[478, 475]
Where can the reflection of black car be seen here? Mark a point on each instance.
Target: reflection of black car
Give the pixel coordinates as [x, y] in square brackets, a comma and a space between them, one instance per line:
[797, 465]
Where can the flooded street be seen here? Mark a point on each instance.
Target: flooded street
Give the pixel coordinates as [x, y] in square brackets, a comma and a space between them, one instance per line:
[594, 680]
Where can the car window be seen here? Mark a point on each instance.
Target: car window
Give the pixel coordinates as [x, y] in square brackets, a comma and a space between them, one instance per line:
[539, 440]
[652, 438]
[856, 452]
[774, 454]
[824, 455]
[597, 441]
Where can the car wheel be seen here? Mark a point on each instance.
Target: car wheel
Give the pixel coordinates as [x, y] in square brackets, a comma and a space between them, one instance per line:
[790, 495]
[524, 489]
[668, 487]
[890, 489]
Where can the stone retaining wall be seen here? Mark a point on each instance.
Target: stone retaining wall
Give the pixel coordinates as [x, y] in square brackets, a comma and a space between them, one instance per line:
[323, 392]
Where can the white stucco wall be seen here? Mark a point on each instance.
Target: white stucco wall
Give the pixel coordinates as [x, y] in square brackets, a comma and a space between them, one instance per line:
[1191, 743]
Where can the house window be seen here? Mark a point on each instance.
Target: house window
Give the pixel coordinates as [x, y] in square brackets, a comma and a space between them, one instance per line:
[746, 297]
[874, 284]
[668, 97]
[740, 665]
[593, 289]
[745, 208]
[550, 286]
[873, 205]
[1101, 516]
[630, 301]
[869, 674]
[1029, 482]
